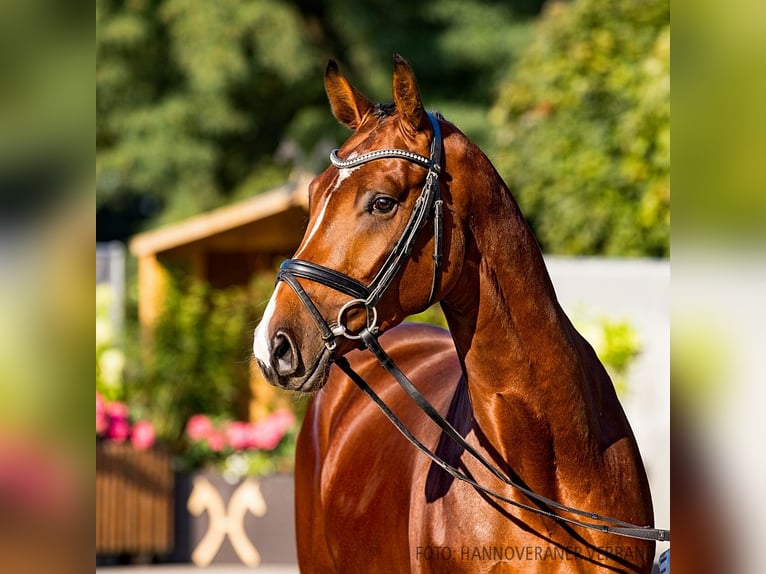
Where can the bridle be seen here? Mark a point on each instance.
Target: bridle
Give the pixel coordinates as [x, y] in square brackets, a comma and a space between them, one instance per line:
[367, 296]
[428, 204]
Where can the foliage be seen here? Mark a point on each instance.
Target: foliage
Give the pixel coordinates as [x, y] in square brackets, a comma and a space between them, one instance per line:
[433, 316]
[177, 85]
[583, 127]
[202, 103]
[199, 358]
[703, 355]
[110, 360]
[616, 343]
[199, 102]
[198, 362]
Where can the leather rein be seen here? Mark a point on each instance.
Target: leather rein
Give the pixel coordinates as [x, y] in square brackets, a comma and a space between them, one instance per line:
[428, 204]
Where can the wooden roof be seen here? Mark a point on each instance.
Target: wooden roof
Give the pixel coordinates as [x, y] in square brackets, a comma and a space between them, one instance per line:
[270, 221]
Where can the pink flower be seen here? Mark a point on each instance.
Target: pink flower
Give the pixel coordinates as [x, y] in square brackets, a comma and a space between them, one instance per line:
[283, 418]
[119, 429]
[267, 434]
[199, 427]
[239, 435]
[117, 410]
[102, 421]
[216, 440]
[142, 436]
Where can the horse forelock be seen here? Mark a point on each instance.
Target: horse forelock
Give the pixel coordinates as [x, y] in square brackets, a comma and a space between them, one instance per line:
[383, 110]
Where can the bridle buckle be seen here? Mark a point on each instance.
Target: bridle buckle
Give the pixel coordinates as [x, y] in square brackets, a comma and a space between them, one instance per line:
[341, 330]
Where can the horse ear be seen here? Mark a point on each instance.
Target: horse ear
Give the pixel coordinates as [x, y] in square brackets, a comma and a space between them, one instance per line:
[348, 104]
[407, 96]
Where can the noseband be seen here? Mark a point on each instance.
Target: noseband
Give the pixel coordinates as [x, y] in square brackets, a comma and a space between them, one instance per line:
[367, 296]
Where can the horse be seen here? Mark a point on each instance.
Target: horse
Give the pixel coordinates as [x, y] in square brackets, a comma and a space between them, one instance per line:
[512, 376]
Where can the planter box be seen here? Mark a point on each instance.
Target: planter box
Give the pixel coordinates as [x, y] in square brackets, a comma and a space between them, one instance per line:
[250, 522]
[134, 500]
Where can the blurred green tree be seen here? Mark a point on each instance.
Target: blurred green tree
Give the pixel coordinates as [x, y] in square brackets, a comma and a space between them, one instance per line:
[199, 358]
[186, 91]
[200, 103]
[583, 128]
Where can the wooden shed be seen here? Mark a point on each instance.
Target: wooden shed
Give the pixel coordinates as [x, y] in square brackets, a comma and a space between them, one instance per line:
[223, 247]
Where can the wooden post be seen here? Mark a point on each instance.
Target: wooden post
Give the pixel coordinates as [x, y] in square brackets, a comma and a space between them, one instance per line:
[152, 283]
[198, 264]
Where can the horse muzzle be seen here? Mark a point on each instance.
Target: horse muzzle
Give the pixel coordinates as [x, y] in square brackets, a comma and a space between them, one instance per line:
[289, 355]
[284, 366]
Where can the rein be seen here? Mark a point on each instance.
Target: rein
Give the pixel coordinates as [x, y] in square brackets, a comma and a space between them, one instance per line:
[367, 296]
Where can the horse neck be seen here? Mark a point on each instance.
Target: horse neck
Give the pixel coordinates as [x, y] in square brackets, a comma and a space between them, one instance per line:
[527, 368]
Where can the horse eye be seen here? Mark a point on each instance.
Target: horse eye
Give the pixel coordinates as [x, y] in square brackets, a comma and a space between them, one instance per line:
[383, 204]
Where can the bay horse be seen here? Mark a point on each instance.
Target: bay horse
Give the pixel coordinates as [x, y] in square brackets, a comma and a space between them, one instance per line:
[410, 212]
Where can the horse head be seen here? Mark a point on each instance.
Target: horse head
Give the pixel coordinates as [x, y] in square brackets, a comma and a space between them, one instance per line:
[370, 255]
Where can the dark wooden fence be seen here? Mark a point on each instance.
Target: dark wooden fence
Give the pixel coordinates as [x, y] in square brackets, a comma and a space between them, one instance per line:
[134, 500]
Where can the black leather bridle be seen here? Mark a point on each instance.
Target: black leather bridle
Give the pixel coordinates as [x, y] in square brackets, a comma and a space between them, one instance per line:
[428, 204]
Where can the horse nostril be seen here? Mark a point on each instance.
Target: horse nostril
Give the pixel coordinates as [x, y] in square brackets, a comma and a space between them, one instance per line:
[284, 358]
[265, 369]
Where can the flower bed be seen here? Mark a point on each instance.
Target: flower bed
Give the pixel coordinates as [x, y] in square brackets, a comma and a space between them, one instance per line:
[237, 448]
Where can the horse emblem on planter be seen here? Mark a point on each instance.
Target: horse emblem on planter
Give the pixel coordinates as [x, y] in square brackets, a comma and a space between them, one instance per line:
[226, 521]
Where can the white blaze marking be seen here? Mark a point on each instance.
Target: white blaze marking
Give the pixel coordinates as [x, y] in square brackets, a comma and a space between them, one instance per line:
[261, 337]
[342, 175]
